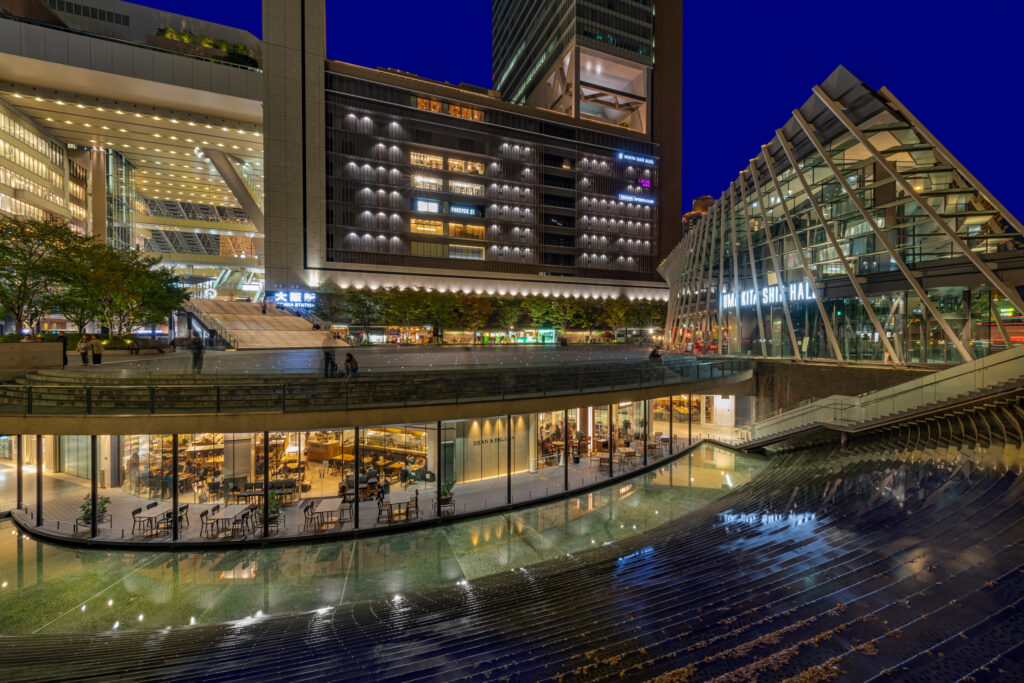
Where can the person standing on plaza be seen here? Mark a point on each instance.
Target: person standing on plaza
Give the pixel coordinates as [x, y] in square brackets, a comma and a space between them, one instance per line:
[63, 348]
[330, 361]
[263, 308]
[83, 348]
[351, 366]
[195, 345]
[96, 346]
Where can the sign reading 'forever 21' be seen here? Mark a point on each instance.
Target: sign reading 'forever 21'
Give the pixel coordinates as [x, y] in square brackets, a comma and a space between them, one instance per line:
[796, 291]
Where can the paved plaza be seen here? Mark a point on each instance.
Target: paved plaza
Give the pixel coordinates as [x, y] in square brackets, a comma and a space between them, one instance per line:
[370, 359]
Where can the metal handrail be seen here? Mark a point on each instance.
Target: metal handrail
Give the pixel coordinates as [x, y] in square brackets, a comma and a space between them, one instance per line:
[210, 322]
[395, 389]
[959, 380]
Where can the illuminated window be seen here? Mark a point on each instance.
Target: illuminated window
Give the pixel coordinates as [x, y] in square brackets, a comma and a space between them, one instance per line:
[469, 231]
[423, 182]
[428, 104]
[464, 112]
[429, 250]
[426, 205]
[464, 251]
[426, 227]
[471, 189]
[427, 160]
[463, 166]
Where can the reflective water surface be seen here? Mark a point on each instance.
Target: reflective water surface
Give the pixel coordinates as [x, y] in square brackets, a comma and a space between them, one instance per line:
[51, 589]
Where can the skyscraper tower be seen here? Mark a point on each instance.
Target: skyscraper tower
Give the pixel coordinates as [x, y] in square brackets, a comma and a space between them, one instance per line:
[595, 60]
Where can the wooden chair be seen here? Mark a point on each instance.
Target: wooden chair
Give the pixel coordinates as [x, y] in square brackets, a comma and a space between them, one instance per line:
[383, 513]
[183, 515]
[240, 524]
[208, 525]
[313, 519]
[136, 522]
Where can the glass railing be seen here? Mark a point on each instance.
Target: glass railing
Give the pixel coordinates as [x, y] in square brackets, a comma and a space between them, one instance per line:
[959, 381]
[155, 394]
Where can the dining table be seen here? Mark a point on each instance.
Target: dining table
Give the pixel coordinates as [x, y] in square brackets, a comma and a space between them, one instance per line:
[153, 514]
[228, 514]
[398, 501]
[328, 507]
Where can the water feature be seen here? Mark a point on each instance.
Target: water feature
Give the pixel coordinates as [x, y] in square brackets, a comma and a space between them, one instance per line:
[53, 589]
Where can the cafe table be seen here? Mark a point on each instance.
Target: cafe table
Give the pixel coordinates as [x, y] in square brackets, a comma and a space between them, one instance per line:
[153, 514]
[227, 514]
[399, 503]
[328, 507]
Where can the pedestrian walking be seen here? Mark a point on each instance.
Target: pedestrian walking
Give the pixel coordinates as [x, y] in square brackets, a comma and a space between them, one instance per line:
[83, 348]
[195, 345]
[351, 366]
[330, 361]
[63, 348]
[96, 346]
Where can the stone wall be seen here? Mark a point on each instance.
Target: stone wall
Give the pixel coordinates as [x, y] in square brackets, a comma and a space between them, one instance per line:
[30, 356]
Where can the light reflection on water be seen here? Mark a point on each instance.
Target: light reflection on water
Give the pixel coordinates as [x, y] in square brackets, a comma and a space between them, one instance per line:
[51, 589]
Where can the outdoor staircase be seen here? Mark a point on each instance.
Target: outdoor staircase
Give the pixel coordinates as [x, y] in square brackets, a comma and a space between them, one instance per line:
[245, 327]
[962, 385]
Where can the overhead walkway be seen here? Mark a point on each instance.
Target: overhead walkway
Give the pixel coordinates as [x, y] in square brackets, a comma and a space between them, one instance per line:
[980, 381]
[243, 325]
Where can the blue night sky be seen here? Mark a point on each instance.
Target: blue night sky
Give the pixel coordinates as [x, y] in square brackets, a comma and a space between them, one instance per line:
[747, 65]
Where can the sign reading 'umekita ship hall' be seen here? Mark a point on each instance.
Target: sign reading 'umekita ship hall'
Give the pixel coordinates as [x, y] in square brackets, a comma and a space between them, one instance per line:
[796, 291]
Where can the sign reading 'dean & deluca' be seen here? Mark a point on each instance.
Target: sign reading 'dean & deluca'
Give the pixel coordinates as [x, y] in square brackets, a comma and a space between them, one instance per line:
[797, 291]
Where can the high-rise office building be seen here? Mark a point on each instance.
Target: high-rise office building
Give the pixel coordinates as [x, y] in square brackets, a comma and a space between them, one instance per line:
[407, 182]
[596, 60]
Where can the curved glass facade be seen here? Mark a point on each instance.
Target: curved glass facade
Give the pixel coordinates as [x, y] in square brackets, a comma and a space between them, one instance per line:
[853, 236]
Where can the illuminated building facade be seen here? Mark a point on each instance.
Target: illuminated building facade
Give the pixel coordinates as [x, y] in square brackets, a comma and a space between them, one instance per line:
[853, 235]
[407, 182]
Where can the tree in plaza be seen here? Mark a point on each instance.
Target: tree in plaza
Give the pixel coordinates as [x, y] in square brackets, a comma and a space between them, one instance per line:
[441, 310]
[330, 302]
[590, 315]
[616, 313]
[565, 313]
[362, 306]
[474, 312]
[538, 309]
[647, 314]
[77, 294]
[134, 290]
[30, 261]
[510, 312]
[401, 307]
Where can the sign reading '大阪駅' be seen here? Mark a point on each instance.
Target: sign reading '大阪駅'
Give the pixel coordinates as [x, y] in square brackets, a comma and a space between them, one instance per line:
[796, 291]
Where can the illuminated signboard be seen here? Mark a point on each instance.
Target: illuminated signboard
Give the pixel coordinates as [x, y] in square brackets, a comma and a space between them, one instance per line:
[798, 291]
[643, 182]
[634, 198]
[626, 156]
[427, 205]
[465, 210]
[294, 299]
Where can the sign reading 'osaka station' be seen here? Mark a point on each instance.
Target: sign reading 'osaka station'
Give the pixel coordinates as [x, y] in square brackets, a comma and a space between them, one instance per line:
[797, 291]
